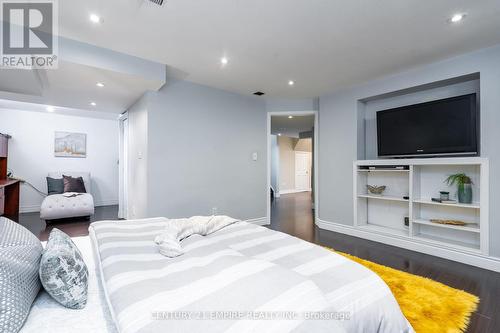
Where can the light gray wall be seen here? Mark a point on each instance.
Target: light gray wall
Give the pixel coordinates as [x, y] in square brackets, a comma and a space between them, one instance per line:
[339, 135]
[31, 153]
[200, 146]
[138, 159]
[287, 105]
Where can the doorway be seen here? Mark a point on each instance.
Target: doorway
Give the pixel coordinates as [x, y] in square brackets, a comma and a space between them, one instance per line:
[292, 170]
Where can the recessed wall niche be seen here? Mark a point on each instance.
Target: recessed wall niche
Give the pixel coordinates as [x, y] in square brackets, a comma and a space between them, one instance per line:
[368, 107]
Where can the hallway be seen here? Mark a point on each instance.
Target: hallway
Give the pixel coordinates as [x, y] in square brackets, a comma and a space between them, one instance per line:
[292, 213]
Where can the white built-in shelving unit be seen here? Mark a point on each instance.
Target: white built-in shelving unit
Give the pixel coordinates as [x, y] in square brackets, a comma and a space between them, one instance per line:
[408, 194]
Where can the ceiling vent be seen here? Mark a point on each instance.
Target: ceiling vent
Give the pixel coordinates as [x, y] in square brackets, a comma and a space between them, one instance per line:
[158, 2]
[258, 93]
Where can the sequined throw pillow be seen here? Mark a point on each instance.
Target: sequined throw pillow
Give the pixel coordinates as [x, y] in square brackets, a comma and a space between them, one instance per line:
[20, 253]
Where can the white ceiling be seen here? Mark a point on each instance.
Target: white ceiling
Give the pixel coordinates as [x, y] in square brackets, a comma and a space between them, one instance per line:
[323, 45]
[291, 127]
[74, 86]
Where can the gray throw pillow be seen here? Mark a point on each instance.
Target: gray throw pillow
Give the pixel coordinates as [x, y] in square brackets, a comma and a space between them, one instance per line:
[20, 253]
[55, 186]
[63, 272]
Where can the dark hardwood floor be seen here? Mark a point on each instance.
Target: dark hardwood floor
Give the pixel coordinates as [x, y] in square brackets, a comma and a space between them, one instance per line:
[292, 213]
[73, 227]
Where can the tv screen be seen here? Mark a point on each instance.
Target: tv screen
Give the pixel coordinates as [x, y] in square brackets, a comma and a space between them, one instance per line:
[442, 127]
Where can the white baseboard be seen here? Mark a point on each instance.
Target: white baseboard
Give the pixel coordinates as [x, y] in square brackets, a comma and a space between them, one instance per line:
[294, 191]
[478, 260]
[259, 221]
[112, 202]
[29, 209]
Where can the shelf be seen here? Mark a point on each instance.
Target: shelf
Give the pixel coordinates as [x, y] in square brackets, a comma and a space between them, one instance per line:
[460, 205]
[447, 242]
[385, 230]
[383, 170]
[469, 227]
[382, 197]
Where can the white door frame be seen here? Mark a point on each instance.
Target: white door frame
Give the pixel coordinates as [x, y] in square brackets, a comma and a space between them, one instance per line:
[123, 171]
[316, 151]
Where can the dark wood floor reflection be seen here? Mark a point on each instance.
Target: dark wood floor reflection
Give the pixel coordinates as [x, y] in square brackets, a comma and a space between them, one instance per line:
[292, 213]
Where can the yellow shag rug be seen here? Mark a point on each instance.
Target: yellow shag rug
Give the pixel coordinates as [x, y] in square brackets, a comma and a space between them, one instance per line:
[428, 305]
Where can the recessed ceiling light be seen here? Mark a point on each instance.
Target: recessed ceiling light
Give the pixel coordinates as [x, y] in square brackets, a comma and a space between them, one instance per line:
[94, 18]
[100, 84]
[93, 103]
[224, 60]
[50, 109]
[290, 117]
[457, 18]
[291, 83]
[279, 134]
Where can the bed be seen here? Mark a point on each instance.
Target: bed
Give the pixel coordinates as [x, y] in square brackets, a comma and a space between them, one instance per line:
[236, 280]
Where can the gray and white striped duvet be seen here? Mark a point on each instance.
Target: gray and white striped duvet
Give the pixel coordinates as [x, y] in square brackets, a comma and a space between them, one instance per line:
[241, 269]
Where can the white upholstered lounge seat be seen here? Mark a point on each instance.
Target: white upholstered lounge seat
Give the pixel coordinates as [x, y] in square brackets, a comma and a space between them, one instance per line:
[59, 206]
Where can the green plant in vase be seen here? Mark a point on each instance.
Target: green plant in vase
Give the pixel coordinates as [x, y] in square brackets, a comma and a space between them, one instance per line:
[464, 184]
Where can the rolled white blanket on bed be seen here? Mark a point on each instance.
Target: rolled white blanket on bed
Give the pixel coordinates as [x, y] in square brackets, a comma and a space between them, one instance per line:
[177, 229]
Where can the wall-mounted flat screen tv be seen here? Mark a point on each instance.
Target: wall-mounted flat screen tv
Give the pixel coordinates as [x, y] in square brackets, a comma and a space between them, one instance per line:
[446, 127]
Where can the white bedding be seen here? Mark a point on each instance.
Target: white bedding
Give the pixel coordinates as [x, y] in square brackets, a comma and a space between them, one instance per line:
[49, 316]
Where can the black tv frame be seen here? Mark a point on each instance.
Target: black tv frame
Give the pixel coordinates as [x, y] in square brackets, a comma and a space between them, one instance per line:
[475, 118]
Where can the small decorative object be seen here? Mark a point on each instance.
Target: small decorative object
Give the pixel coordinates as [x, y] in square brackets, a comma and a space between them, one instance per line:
[407, 221]
[444, 196]
[373, 189]
[70, 144]
[449, 222]
[464, 184]
[444, 201]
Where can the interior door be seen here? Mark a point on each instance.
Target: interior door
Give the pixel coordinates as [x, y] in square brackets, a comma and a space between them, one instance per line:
[302, 171]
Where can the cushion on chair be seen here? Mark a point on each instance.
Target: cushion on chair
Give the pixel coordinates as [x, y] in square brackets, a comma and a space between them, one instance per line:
[63, 272]
[20, 253]
[58, 206]
[84, 175]
[73, 184]
[55, 186]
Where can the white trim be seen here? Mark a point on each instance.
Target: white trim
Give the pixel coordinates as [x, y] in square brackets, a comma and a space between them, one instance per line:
[478, 260]
[111, 202]
[259, 221]
[122, 177]
[316, 152]
[294, 191]
[29, 209]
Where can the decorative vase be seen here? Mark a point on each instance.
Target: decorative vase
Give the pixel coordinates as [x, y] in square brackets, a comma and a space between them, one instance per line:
[465, 193]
